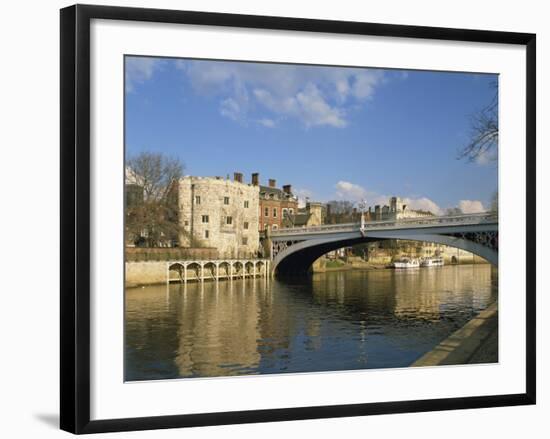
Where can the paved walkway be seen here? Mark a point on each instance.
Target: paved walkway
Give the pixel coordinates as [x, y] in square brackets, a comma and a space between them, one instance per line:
[474, 343]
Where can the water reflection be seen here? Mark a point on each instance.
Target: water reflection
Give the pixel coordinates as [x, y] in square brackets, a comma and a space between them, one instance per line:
[332, 321]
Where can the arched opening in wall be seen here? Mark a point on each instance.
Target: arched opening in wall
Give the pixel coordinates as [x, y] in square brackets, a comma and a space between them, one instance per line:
[260, 268]
[224, 270]
[238, 269]
[175, 272]
[454, 260]
[193, 271]
[249, 268]
[209, 270]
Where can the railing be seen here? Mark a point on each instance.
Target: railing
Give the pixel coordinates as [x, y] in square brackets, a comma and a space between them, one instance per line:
[405, 223]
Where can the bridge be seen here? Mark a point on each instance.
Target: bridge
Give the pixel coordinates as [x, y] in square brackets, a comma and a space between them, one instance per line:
[293, 250]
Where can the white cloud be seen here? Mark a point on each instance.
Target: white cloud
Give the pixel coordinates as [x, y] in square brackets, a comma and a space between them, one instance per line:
[471, 206]
[268, 123]
[140, 69]
[487, 157]
[303, 195]
[423, 203]
[315, 110]
[346, 190]
[350, 191]
[231, 109]
[315, 96]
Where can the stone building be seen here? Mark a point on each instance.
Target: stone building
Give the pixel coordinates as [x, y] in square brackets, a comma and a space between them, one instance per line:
[395, 211]
[275, 203]
[310, 216]
[220, 213]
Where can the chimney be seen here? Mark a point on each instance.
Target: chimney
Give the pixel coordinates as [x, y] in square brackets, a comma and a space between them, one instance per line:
[287, 189]
[272, 182]
[237, 176]
[255, 179]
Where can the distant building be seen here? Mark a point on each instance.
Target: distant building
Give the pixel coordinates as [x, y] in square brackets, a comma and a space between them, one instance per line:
[274, 204]
[311, 215]
[395, 211]
[220, 213]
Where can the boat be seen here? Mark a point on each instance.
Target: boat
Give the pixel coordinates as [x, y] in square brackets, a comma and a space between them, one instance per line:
[432, 262]
[406, 263]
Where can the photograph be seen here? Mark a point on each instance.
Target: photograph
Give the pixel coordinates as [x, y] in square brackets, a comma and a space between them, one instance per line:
[294, 218]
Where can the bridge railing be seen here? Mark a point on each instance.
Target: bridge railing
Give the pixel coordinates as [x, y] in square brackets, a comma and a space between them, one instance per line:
[465, 219]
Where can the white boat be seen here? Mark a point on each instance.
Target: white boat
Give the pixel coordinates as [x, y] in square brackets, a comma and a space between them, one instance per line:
[406, 263]
[432, 262]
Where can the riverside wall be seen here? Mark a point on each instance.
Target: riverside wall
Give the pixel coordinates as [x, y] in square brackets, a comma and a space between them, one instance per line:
[145, 273]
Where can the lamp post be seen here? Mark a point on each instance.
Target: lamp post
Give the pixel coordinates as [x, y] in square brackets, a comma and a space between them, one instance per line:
[362, 206]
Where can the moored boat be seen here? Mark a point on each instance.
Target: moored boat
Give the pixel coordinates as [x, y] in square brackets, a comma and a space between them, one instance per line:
[406, 263]
[432, 262]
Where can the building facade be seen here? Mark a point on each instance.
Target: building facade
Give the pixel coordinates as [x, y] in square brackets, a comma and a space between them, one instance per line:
[310, 216]
[220, 213]
[394, 211]
[275, 203]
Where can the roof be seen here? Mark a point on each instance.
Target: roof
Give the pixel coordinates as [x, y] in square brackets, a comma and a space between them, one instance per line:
[269, 190]
[279, 193]
[298, 220]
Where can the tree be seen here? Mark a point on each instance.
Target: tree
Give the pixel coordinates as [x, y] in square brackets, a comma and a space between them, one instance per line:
[483, 141]
[152, 217]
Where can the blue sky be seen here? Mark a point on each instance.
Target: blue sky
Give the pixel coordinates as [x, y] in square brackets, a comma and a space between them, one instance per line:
[331, 132]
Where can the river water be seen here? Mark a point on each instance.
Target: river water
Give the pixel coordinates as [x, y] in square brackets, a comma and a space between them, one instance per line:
[331, 321]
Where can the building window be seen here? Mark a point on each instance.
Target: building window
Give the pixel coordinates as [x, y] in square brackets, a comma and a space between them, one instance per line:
[291, 211]
[274, 212]
[186, 223]
[266, 211]
[206, 234]
[246, 204]
[225, 200]
[228, 220]
[245, 241]
[205, 218]
[271, 196]
[285, 211]
[246, 225]
[197, 199]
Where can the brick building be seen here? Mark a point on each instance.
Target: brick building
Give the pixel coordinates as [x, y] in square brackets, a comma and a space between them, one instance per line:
[275, 204]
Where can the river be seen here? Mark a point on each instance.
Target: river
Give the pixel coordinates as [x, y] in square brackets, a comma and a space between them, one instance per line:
[331, 321]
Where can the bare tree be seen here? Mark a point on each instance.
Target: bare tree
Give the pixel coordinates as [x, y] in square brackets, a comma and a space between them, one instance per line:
[483, 142]
[152, 199]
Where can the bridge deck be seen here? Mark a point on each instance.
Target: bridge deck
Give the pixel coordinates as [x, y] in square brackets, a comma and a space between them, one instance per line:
[402, 224]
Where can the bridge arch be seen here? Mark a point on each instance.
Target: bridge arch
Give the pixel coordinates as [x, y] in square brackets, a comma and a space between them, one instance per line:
[299, 257]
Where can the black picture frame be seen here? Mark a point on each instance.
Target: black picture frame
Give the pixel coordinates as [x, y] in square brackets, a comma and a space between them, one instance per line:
[75, 217]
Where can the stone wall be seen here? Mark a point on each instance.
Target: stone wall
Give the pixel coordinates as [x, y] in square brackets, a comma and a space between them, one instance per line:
[220, 213]
[145, 273]
[139, 254]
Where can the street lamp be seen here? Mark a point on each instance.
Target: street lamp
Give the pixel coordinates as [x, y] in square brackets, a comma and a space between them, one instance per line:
[362, 206]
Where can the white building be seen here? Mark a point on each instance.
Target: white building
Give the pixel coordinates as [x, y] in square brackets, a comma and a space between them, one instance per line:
[220, 213]
[396, 210]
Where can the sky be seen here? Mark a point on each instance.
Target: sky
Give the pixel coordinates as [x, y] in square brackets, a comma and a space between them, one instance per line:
[333, 133]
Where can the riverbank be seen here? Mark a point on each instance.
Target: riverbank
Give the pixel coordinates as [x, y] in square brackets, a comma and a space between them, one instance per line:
[344, 266]
[475, 343]
[348, 267]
